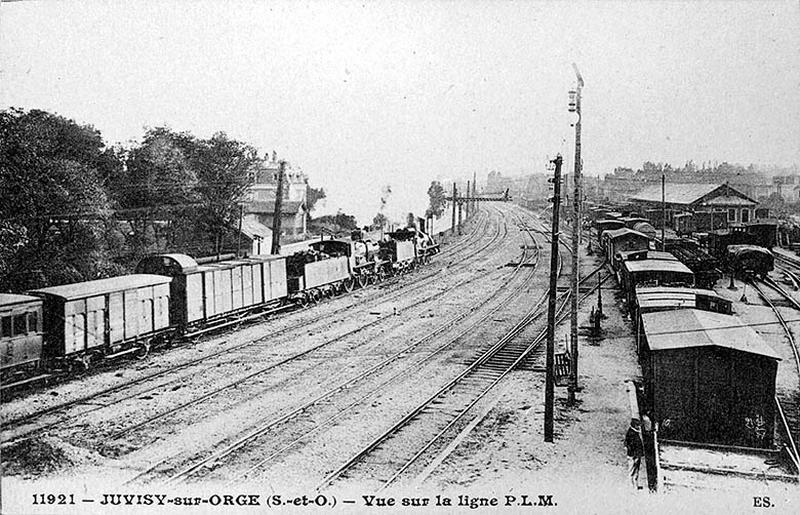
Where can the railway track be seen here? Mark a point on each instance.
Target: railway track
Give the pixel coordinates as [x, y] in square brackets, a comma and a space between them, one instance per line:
[326, 408]
[788, 402]
[438, 419]
[97, 400]
[100, 403]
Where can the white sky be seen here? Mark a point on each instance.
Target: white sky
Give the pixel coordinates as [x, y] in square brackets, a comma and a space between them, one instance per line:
[400, 93]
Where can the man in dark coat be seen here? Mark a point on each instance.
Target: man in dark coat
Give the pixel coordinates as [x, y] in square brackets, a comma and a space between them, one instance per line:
[635, 448]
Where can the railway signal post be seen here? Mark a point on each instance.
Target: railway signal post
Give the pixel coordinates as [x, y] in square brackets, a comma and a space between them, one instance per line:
[575, 106]
[551, 306]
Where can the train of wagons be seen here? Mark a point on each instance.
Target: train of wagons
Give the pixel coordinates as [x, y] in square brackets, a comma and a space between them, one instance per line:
[173, 295]
[708, 378]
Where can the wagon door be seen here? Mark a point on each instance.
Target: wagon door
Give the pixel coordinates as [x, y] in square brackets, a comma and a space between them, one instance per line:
[95, 322]
[116, 317]
[74, 326]
[236, 287]
[278, 284]
[147, 309]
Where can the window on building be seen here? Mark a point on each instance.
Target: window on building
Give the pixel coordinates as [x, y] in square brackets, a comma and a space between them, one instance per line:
[731, 215]
[33, 321]
[6, 327]
[745, 215]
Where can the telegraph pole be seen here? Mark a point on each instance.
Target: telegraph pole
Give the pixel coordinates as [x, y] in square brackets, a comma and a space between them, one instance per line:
[467, 207]
[576, 241]
[664, 211]
[455, 201]
[551, 305]
[276, 216]
[474, 192]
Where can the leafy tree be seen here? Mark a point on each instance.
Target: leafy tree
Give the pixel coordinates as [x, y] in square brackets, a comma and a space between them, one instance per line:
[52, 200]
[437, 201]
[340, 222]
[157, 186]
[222, 166]
[313, 195]
[379, 221]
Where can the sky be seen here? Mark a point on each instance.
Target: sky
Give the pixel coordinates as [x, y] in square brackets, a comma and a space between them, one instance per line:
[366, 95]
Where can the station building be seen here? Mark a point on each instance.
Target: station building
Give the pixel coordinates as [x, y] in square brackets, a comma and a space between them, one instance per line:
[712, 206]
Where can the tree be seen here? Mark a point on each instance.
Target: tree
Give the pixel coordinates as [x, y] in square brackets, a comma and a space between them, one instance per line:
[156, 188]
[379, 221]
[52, 200]
[222, 167]
[313, 195]
[436, 199]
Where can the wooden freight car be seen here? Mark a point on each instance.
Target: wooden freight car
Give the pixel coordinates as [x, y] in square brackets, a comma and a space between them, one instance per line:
[203, 294]
[649, 299]
[621, 240]
[20, 332]
[104, 317]
[653, 272]
[709, 378]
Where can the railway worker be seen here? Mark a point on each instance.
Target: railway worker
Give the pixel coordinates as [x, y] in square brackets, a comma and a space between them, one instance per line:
[635, 448]
[649, 449]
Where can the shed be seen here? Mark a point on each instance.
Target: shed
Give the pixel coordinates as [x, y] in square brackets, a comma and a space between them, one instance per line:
[728, 203]
[709, 378]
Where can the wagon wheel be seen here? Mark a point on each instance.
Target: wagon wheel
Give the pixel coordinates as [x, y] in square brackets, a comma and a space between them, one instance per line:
[362, 280]
[315, 296]
[142, 351]
[330, 291]
[349, 284]
[301, 300]
[80, 364]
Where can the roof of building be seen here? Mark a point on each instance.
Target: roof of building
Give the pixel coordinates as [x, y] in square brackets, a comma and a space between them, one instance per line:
[254, 229]
[657, 265]
[727, 200]
[618, 233]
[288, 207]
[675, 193]
[688, 328]
[7, 299]
[102, 286]
[691, 193]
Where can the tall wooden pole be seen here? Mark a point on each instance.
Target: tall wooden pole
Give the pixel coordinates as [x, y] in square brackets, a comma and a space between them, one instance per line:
[664, 210]
[576, 247]
[474, 192]
[551, 307]
[467, 206]
[455, 201]
[276, 215]
[239, 235]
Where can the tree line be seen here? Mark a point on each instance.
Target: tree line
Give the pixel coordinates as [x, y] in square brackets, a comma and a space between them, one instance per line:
[73, 208]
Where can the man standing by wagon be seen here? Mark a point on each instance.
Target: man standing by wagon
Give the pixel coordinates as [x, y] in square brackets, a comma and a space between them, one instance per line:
[635, 448]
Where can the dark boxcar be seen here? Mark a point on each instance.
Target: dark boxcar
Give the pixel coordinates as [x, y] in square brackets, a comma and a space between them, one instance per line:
[20, 331]
[105, 314]
[709, 378]
[750, 260]
[764, 233]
